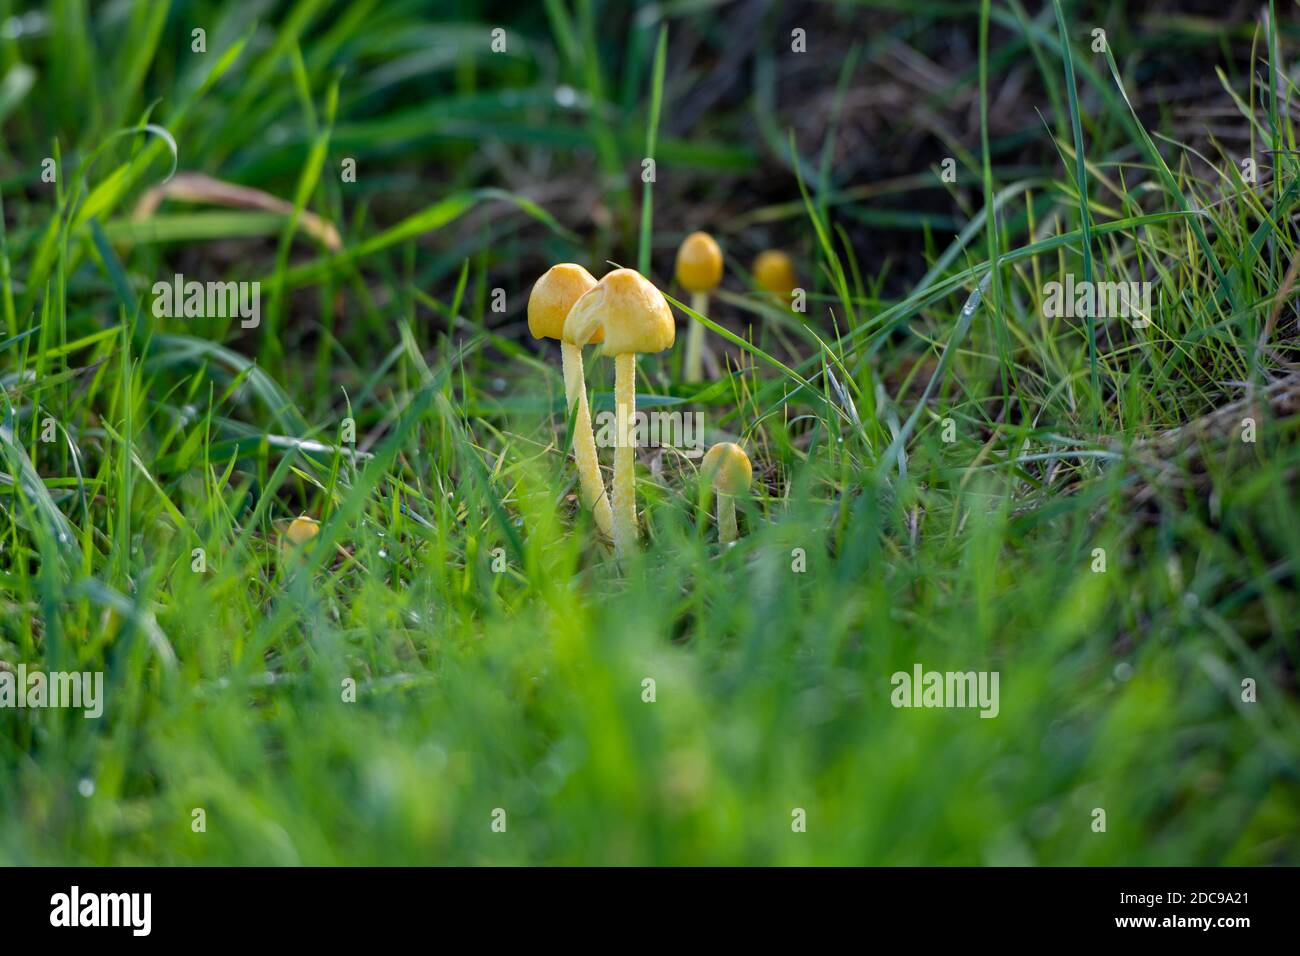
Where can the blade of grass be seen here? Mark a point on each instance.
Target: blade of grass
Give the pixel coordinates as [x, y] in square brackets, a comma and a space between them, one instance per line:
[651, 134]
[1081, 183]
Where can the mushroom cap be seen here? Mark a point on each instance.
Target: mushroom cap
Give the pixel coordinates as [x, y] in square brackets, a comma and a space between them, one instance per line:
[553, 296]
[302, 528]
[727, 465]
[699, 263]
[774, 271]
[633, 313]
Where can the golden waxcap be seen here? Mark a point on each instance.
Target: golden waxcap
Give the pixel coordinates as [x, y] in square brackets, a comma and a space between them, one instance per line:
[728, 466]
[633, 313]
[774, 272]
[699, 263]
[553, 296]
[300, 530]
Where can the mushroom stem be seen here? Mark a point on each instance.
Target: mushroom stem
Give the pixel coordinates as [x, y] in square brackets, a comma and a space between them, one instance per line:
[584, 442]
[694, 368]
[727, 532]
[624, 456]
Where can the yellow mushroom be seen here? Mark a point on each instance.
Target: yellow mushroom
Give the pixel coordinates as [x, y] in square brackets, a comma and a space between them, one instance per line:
[774, 272]
[548, 306]
[301, 530]
[699, 270]
[635, 318]
[727, 466]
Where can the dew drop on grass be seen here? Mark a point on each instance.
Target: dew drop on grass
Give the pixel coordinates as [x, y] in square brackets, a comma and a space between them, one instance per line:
[86, 787]
[1123, 671]
[565, 96]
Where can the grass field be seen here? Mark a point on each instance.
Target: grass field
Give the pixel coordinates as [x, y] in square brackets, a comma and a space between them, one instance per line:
[948, 471]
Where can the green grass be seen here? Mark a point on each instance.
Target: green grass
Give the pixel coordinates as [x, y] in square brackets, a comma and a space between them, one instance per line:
[499, 653]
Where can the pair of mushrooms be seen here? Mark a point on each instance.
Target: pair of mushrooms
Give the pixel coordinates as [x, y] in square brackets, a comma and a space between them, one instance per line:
[627, 316]
[699, 272]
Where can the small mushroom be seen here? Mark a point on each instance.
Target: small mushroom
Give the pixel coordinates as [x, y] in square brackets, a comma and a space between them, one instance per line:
[774, 272]
[727, 466]
[301, 530]
[548, 306]
[635, 318]
[699, 270]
